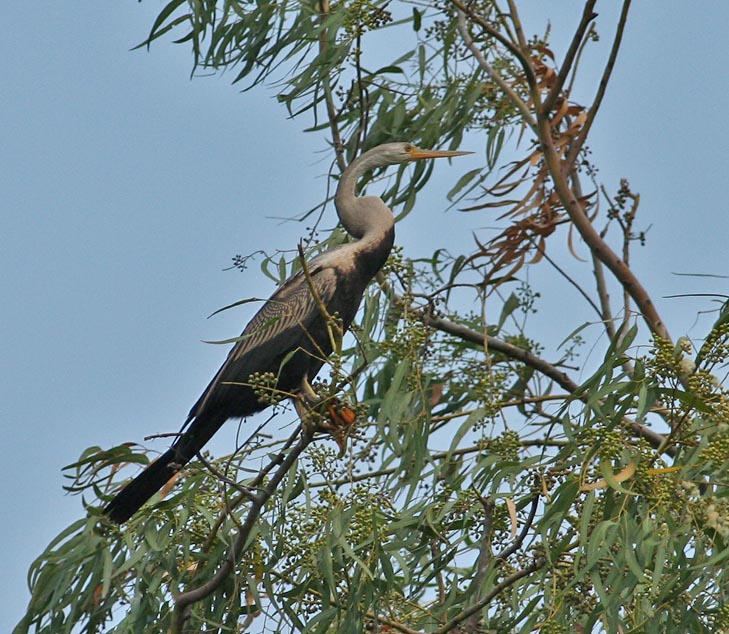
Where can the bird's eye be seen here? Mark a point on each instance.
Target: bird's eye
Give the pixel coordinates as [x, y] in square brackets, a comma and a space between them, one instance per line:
[408, 147]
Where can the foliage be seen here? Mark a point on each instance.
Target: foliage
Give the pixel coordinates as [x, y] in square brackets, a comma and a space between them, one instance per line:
[474, 485]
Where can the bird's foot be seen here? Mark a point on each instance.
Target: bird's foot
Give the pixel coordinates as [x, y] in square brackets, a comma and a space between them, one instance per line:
[308, 394]
[326, 414]
[339, 422]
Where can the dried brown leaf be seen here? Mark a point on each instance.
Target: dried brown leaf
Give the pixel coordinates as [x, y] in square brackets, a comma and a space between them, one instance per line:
[570, 245]
[511, 507]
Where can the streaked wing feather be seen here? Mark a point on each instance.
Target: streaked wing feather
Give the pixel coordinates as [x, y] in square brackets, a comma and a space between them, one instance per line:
[293, 305]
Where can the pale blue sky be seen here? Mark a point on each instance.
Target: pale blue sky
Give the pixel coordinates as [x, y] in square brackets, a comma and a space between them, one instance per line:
[127, 188]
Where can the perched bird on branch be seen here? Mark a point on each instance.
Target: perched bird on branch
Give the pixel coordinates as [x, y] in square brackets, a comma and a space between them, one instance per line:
[290, 337]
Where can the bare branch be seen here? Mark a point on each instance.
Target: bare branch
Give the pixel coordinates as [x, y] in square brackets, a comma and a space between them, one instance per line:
[605, 79]
[571, 281]
[512, 548]
[245, 491]
[328, 97]
[602, 293]
[605, 312]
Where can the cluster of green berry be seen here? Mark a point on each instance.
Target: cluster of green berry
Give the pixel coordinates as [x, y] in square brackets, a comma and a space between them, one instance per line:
[264, 387]
[365, 15]
[507, 445]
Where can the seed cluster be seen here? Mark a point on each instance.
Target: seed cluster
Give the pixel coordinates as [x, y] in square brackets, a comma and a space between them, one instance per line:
[264, 387]
[365, 15]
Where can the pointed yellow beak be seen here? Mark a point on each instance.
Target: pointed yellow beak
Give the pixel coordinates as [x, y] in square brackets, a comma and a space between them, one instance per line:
[417, 154]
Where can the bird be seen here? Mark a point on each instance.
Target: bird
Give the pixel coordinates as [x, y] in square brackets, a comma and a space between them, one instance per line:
[289, 338]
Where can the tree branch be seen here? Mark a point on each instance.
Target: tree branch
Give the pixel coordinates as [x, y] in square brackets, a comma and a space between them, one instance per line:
[483, 63]
[483, 561]
[604, 296]
[592, 238]
[495, 591]
[494, 343]
[328, 98]
[524, 61]
[544, 367]
[438, 455]
[571, 281]
[588, 15]
[284, 461]
[604, 80]
[514, 15]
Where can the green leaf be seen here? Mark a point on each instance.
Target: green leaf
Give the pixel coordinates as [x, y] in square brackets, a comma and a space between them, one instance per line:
[606, 470]
[573, 334]
[388, 69]
[417, 19]
[235, 304]
[156, 30]
[462, 182]
[601, 541]
[511, 304]
[632, 562]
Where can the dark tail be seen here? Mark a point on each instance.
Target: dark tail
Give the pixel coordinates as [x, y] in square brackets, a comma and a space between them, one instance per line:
[130, 499]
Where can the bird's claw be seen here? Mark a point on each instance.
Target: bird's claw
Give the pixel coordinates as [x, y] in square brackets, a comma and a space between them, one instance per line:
[338, 423]
[328, 415]
[308, 395]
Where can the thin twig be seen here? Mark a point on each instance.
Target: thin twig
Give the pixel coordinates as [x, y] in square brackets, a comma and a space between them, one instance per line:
[601, 284]
[575, 66]
[588, 15]
[606, 313]
[489, 70]
[284, 462]
[516, 545]
[364, 111]
[219, 475]
[495, 591]
[604, 297]
[328, 98]
[483, 561]
[516, 21]
[604, 80]
[602, 292]
[571, 281]
[523, 60]
[334, 330]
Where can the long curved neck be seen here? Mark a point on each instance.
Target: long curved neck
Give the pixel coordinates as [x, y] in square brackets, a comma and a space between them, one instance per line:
[362, 217]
